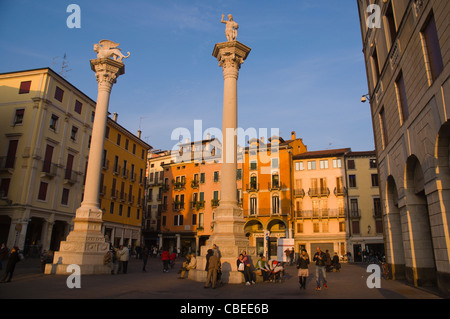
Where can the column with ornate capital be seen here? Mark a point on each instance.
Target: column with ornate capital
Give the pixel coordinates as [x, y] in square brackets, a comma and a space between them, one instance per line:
[85, 246]
[228, 224]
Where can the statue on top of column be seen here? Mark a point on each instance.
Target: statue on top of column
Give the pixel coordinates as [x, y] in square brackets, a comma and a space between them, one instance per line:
[230, 28]
[108, 49]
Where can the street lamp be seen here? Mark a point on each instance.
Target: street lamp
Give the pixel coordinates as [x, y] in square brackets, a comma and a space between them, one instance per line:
[364, 98]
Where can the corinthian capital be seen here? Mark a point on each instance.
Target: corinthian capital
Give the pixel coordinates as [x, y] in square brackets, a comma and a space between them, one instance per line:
[107, 71]
[231, 55]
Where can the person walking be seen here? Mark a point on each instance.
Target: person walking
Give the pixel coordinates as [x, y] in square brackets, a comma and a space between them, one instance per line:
[248, 268]
[320, 258]
[165, 257]
[302, 266]
[145, 253]
[213, 268]
[123, 255]
[13, 259]
[263, 267]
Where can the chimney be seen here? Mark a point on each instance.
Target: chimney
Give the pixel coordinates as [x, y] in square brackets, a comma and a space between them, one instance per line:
[139, 133]
[293, 135]
[115, 115]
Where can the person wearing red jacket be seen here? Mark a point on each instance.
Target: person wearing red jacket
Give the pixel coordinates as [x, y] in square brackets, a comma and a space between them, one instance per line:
[172, 258]
[165, 257]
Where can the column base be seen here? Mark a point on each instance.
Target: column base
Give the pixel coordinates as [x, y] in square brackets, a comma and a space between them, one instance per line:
[85, 246]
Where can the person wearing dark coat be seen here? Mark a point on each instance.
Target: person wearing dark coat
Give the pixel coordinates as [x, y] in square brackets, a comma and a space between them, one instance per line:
[13, 259]
[213, 267]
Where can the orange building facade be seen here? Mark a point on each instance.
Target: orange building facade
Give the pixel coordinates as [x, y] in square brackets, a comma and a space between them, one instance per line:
[267, 191]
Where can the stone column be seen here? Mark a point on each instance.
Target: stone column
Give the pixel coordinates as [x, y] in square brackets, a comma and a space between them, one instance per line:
[228, 224]
[85, 245]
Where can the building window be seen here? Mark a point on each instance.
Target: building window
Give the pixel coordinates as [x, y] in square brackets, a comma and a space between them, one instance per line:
[311, 165]
[316, 227]
[78, 106]
[194, 219]
[351, 164]
[383, 125]
[375, 66]
[299, 166]
[355, 227]
[65, 196]
[342, 227]
[390, 24]
[18, 117]
[401, 97]
[300, 228]
[107, 132]
[129, 212]
[374, 180]
[337, 163]
[202, 178]
[126, 144]
[379, 226]
[373, 163]
[253, 166]
[111, 208]
[275, 204]
[11, 155]
[118, 139]
[120, 209]
[352, 180]
[42, 195]
[275, 163]
[433, 56]
[163, 221]
[53, 122]
[92, 116]
[178, 220]
[59, 93]
[253, 205]
[354, 208]
[216, 176]
[4, 187]
[377, 208]
[239, 174]
[73, 134]
[323, 164]
[24, 87]
[134, 149]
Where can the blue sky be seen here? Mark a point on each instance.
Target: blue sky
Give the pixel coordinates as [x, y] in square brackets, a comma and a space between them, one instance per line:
[305, 72]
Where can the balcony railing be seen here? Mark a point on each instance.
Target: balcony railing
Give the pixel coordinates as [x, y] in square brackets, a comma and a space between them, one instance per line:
[114, 193]
[117, 170]
[252, 187]
[105, 165]
[70, 177]
[339, 191]
[355, 213]
[299, 193]
[274, 186]
[319, 192]
[195, 183]
[198, 204]
[215, 203]
[49, 169]
[320, 213]
[7, 163]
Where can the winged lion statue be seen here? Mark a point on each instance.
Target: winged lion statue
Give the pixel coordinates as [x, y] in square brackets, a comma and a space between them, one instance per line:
[108, 49]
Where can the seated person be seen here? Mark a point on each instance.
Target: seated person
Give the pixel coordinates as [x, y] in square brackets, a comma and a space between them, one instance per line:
[335, 262]
[189, 264]
[263, 266]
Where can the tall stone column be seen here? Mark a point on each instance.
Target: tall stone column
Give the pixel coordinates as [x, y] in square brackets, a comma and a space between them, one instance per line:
[228, 224]
[85, 245]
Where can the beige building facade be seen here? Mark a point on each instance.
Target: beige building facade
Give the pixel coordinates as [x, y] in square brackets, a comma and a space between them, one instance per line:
[319, 201]
[407, 64]
[365, 226]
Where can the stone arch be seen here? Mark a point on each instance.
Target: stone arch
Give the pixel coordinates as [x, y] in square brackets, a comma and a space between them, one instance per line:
[395, 253]
[441, 207]
[276, 224]
[419, 252]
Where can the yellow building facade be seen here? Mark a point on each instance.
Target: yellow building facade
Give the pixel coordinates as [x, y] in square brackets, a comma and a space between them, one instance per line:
[122, 184]
[45, 131]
